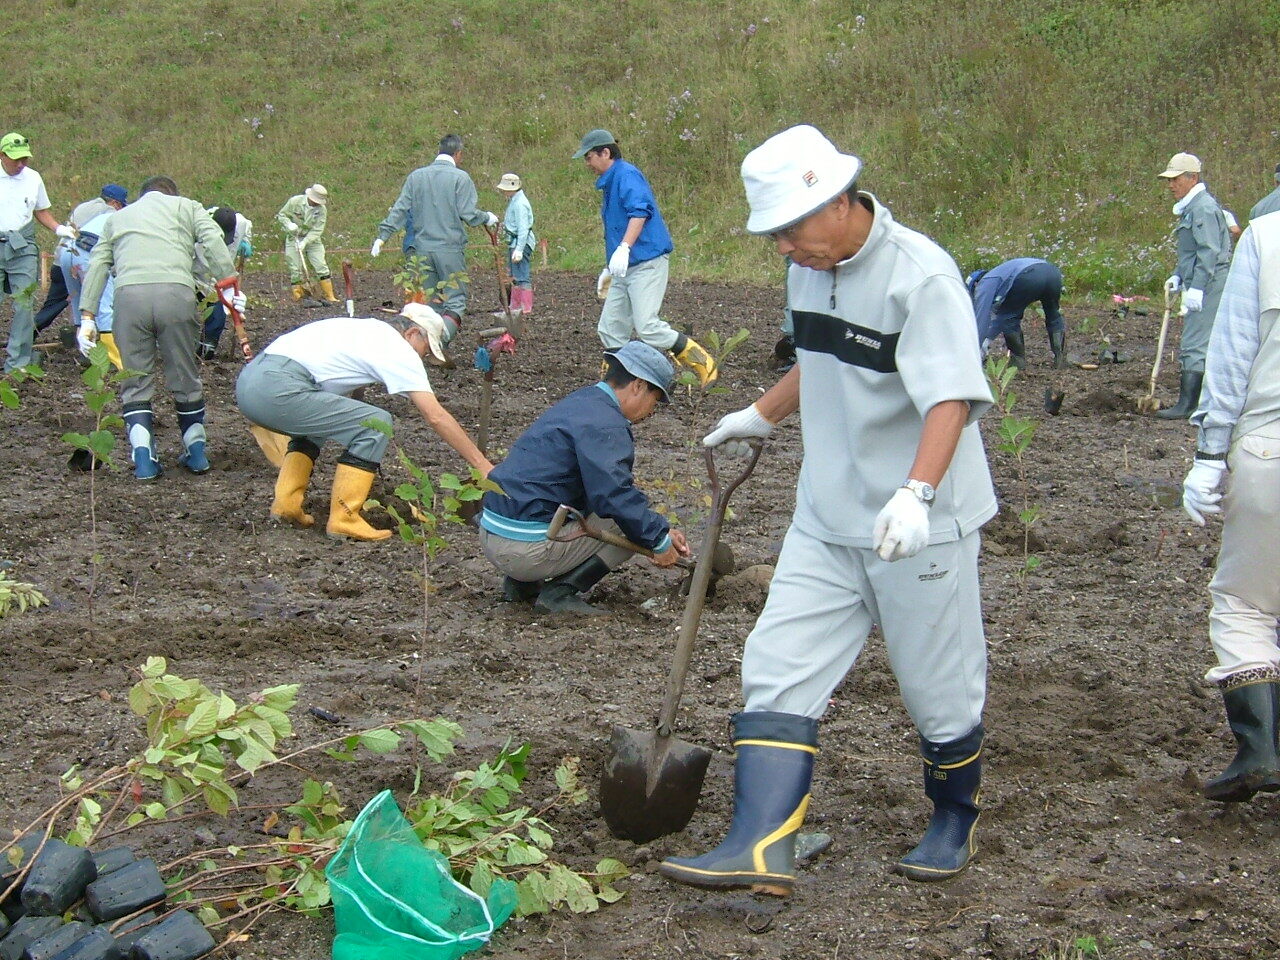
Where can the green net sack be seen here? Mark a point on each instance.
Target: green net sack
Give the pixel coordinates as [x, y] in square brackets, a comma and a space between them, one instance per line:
[394, 899]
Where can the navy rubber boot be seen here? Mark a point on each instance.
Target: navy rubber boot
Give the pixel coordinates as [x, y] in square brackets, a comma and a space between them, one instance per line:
[137, 427]
[773, 770]
[191, 423]
[952, 775]
[520, 591]
[1253, 712]
[561, 594]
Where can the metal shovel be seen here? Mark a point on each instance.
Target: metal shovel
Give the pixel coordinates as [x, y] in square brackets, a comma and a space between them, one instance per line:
[652, 779]
[1149, 403]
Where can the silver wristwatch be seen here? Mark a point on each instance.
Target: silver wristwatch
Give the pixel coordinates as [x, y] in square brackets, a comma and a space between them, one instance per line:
[924, 491]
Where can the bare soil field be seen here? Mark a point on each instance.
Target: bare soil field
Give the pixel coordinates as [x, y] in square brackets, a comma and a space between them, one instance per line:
[1100, 726]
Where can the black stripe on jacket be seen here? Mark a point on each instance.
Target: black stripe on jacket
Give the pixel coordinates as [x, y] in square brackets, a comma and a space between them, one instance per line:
[847, 342]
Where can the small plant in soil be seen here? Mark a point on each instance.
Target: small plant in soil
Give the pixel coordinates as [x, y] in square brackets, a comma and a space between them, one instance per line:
[1014, 435]
[9, 382]
[17, 595]
[412, 278]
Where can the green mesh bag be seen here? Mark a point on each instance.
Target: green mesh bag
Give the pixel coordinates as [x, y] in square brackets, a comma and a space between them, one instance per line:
[394, 899]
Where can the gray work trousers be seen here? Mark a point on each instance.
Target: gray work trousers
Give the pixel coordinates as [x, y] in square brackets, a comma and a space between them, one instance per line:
[537, 560]
[157, 320]
[18, 278]
[1198, 325]
[822, 603]
[439, 265]
[279, 394]
[632, 306]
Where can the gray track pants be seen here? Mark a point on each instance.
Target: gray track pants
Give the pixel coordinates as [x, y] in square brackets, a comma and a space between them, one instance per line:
[536, 560]
[633, 304]
[822, 603]
[279, 394]
[1197, 327]
[157, 320]
[18, 275]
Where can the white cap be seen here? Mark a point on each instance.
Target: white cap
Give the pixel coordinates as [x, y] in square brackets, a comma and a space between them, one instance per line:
[431, 322]
[791, 175]
[317, 194]
[1179, 164]
[509, 181]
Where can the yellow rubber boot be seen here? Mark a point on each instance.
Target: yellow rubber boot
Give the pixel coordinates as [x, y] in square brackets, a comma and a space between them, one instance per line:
[326, 288]
[291, 487]
[693, 356]
[298, 291]
[351, 487]
[113, 352]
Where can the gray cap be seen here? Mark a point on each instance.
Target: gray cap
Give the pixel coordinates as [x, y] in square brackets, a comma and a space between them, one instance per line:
[594, 140]
[646, 363]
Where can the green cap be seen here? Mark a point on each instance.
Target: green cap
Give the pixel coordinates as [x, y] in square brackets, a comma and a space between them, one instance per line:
[593, 141]
[15, 146]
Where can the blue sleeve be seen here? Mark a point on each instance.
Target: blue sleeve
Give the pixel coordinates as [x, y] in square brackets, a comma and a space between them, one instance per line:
[634, 196]
[604, 461]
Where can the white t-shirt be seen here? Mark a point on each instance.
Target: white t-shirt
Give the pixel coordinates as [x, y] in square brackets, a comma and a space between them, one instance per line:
[20, 197]
[880, 340]
[346, 353]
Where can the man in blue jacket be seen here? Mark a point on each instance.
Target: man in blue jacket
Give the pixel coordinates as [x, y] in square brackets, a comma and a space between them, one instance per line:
[580, 453]
[1001, 296]
[637, 247]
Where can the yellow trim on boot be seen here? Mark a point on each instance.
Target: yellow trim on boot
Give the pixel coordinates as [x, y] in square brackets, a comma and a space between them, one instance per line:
[326, 288]
[776, 743]
[351, 487]
[789, 826]
[298, 291]
[956, 766]
[291, 489]
[696, 358]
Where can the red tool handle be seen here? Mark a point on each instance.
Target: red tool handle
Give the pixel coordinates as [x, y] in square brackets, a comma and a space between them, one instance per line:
[237, 320]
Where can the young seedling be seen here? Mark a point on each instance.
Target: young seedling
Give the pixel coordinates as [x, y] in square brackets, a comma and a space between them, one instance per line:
[17, 594]
[9, 397]
[1014, 438]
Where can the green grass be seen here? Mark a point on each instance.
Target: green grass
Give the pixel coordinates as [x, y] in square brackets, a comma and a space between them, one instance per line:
[1018, 128]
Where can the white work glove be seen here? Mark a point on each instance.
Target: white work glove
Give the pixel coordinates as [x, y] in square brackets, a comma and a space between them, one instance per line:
[376, 248]
[65, 232]
[620, 260]
[1192, 300]
[239, 301]
[517, 255]
[290, 226]
[733, 430]
[902, 527]
[87, 335]
[1199, 490]
[492, 219]
[1173, 284]
[602, 283]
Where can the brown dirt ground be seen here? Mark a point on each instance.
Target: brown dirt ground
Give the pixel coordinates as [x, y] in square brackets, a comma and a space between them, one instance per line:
[1100, 724]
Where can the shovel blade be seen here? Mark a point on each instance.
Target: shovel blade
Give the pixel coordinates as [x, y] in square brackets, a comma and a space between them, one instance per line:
[651, 784]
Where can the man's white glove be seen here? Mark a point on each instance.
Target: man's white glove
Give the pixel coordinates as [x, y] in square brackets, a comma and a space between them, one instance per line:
[87, 335]
[239, 301]
[65, 232]
[376, 248]
[620, 260]
[1173, 284]
[492, 219]
[290, 226]
[731, 433]
[902, 527]
[602, 283]
[1192, 300]
[1200, 490]
[517, 255]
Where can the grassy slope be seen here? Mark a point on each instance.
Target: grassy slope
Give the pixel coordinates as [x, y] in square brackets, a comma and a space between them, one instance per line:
[1001, 129]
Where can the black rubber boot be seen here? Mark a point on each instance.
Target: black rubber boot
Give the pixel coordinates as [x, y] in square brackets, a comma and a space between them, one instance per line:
[519, 591]
[1252, 711]
[560, 594]
[1017, 345]
[952, 774]
[1058, 344]
[773, 770]
[1188, 397]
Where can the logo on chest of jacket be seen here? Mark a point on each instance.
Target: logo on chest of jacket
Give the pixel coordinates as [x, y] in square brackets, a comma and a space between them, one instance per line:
[933, 574]
[863, 340]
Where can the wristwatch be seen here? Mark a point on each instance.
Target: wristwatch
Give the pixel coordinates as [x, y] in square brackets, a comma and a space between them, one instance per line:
[924, 491]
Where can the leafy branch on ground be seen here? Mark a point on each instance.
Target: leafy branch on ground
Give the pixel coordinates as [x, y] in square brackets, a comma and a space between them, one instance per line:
[18, 594]
[412, 278]
[9, 397]
[1014, 435]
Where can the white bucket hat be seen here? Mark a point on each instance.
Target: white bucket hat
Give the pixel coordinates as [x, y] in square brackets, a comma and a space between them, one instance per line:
[509, 181]
[791, 175]
[316, 193]
[431, 323]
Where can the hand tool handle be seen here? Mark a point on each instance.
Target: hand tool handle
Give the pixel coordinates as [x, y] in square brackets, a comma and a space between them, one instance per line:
[1164, 330]
[349, 282]
[565, 513]
[237, 320]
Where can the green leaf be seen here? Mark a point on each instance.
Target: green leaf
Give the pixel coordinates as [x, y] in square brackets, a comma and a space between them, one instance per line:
[155, 811]
[101, 443]
[282, 698]
[407, 491]
[382, 426]
[449, 482]
[77, 440]
[252, 755]
[154, 667]
[203, 719]
[380, 741]
[226, 708]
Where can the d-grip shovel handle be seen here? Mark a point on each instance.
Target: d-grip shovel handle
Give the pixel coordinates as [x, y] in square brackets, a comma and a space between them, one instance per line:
[555, 531]
[701, 578]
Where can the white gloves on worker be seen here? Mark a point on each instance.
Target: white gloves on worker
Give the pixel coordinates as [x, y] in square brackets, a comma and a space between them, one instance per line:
[620, 260]
[517, 255]
[87, 335]
[65, 232]
[1192, 300]
[902, 527]
[290, 226]
[239, 301]
[1173, 284]
[492, 219]
[602, 283]
[733, 430]
[1200, 490]
[376, 248]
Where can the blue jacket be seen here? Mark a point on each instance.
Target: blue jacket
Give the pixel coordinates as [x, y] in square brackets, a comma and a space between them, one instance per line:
[627, 194]
[992, 286]
[580, 452]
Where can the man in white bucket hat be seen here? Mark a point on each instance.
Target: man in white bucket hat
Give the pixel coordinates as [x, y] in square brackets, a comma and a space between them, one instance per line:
[892, 491]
